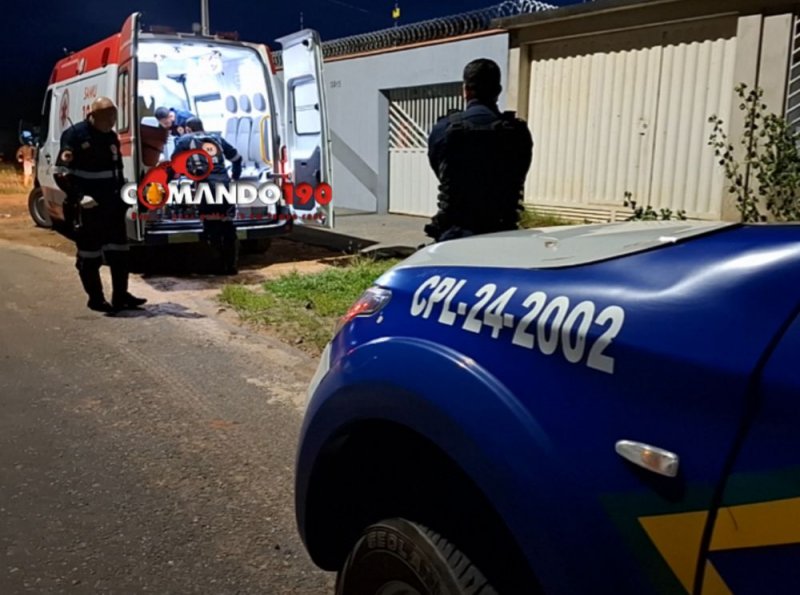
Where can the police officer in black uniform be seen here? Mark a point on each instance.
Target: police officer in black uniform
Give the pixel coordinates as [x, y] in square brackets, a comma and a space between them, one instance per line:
[218, 226]
[481, 158]
[89, 170]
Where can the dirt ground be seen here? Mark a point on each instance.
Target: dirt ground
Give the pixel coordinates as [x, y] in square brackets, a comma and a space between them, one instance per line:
[17, 226]
[181, 261]
[181, 273]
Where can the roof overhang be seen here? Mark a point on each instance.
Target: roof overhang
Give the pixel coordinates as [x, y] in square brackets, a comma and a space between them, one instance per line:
[605, 15]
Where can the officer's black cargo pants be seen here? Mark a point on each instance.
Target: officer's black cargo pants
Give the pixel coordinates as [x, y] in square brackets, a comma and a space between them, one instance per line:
[101, 237]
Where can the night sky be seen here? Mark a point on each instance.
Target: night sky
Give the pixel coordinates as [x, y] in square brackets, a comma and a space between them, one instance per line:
[35, 32]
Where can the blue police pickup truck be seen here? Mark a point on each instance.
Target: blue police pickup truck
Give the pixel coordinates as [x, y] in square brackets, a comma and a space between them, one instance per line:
[576, 410]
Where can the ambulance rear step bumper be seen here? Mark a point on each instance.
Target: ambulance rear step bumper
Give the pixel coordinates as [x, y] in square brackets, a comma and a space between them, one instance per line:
[190, 231]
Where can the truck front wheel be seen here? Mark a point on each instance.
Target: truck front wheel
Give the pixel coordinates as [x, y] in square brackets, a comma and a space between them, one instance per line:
[398, 557]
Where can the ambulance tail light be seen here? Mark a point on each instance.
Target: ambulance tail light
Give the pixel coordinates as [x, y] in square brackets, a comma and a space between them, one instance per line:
[284, 157]
[372, 301]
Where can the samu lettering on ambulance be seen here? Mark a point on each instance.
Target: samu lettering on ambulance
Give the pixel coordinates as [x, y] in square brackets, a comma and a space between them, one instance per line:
[89, 95]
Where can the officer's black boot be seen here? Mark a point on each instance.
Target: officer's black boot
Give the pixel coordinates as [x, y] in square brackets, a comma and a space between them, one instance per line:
[120, 270]
[89, 273]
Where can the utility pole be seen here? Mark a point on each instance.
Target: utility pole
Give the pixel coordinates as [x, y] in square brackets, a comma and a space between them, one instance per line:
[204, 24]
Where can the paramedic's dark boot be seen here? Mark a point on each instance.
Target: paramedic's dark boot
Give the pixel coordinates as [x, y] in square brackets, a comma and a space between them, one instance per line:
[99, 305]
[121, 299]
[89, 274]
[129, 302]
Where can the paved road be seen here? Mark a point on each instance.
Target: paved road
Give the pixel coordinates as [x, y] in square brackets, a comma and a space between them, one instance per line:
[150, 453]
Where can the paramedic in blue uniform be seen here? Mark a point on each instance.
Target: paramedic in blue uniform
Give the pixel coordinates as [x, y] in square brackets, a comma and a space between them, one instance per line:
[89, 171]
[218, 225]
[173, 119]
[481, 158]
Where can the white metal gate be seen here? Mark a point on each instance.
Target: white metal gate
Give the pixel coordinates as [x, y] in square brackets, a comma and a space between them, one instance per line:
[793, 93]
[412, 113]
[628, 112]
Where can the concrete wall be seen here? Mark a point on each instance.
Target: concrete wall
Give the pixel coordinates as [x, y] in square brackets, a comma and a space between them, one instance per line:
[358, 108]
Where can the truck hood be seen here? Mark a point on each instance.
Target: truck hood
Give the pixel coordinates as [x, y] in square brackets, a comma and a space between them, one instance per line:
[562, 246]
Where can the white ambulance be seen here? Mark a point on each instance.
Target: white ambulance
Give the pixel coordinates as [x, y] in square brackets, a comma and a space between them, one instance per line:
[277, 124]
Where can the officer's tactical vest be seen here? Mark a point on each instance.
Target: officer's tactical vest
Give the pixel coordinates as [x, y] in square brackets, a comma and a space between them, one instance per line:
[93, 162]
[482, 173]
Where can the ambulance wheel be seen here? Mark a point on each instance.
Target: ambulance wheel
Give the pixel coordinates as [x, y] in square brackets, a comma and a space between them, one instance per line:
[37, 207]
[398, 557]
[258, 246]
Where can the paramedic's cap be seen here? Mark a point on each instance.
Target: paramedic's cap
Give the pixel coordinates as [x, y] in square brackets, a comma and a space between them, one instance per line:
[482, 77]
[100, 104]
[161, 113]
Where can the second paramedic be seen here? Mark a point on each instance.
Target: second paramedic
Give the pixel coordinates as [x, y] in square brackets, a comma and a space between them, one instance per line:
[26, 155]
[218, 225]
[481, 158]
[173, 119]
[89, 170]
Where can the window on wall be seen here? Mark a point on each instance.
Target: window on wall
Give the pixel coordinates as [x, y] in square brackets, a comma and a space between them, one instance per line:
[123, 110]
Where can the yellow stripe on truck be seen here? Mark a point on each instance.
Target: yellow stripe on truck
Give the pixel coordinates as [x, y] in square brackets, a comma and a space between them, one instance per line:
[762, 524]
[677, 537]
[757, 525]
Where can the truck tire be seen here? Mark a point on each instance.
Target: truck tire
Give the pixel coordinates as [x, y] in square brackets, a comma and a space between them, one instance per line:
[38, 209]
[398, 557]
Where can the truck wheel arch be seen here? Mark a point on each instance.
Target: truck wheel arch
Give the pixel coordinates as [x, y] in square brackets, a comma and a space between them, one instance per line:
[378, 469]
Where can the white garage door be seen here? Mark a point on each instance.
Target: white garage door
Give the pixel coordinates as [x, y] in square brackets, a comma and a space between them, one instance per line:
[628, 112]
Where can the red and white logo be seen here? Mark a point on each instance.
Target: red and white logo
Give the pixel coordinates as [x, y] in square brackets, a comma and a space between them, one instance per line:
[63, 109]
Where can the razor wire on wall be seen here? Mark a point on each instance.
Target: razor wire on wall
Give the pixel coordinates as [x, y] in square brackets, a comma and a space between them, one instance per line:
[439, 28]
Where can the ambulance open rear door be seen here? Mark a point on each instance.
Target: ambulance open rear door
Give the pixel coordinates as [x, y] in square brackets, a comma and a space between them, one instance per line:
[128, 118]
[306, 132]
